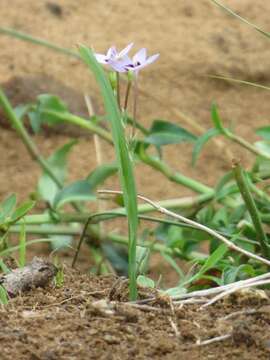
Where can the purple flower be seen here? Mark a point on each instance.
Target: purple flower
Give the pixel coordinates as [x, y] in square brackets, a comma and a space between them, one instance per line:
[117, 60]
[121, 62]
[140, 60]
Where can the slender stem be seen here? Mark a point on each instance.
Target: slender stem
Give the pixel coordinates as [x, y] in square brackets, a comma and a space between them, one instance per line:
[47, 230]
[181, 203]
[81, 240]
[83, 123]
[138, 125]
[174, 176]
[237, 139]
[136, 94]
[242, 183]
[118, 90]
[129, 82]
[52, 229]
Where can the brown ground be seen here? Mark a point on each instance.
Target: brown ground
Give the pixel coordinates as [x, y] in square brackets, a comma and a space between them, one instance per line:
[69, 323]
[194, 40]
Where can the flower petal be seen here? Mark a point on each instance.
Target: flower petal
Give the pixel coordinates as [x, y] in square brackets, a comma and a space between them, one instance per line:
[136, 68]
[112, 53]
[125, 51]
[118, 66]
[151, 59]
[140, 57]
[102, 59]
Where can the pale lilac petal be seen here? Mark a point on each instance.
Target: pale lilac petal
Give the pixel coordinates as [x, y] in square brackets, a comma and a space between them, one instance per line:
[102, 59]
[152, 58]
[139, 57]
[118, 66]
[112, 52]
[135, 67]
[125, 51]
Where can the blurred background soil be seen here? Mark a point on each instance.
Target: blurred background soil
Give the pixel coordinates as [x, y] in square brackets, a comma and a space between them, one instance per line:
[194, 39]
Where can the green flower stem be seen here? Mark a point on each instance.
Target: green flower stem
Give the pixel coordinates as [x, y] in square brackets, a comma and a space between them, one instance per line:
[181, 203]
[174, 176]
[129, 83]
[50, 229]
[245, 144]
[118, 90]
[243, 185]
[83, 123]
[55, 229]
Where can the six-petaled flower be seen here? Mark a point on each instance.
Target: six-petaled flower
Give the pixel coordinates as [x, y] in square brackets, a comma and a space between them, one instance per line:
[116, 60]
[140, 60]
[121, 62]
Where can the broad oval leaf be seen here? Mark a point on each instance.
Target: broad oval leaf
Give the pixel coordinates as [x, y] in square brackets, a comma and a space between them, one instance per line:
[264, 147]
[77, 191]
[165, 133]
[7, 207]
[46, 110]
[61, 241]
[46, 103]
[145, 281]
[21, 211]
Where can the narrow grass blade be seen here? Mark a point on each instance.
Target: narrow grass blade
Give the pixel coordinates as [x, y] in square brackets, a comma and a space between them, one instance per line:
[239, 81]
[242, 182]
[123, 159]
[231, 12]
[22, 246]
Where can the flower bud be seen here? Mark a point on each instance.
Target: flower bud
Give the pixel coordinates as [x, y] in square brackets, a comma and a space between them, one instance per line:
[113, 80]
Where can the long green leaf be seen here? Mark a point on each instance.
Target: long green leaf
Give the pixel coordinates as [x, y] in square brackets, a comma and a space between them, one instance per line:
[100, 174]
[217, 120]
[123, 159]
[7, 206]
[201, 141]
[165, 133]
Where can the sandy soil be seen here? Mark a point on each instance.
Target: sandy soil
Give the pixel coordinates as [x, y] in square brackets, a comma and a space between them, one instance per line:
[74, 322]
[194, 39]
